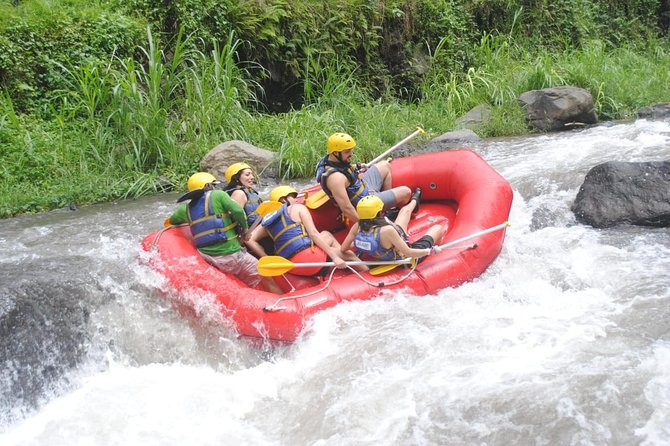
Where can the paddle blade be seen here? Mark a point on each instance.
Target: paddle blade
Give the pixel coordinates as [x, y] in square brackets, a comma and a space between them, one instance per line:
[382, 269]
[386, 268]
[167, 223]
[267, 206]
[316, 200]
[270, 266]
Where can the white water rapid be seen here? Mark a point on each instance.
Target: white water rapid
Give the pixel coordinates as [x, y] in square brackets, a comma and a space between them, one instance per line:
[564, 340]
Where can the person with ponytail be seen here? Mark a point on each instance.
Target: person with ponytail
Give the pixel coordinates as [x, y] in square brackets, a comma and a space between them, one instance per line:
[240, 187]
[381, 239]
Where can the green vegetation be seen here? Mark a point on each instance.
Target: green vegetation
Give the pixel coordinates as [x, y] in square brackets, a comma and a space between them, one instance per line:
[122, 98]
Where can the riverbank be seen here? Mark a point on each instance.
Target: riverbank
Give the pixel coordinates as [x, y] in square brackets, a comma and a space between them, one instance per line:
[136, 144]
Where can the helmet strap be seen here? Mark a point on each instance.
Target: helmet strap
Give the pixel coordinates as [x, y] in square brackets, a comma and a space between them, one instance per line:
[338, 155]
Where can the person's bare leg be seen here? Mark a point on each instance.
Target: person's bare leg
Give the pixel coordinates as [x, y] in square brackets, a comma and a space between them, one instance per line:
[437, 232]
[405, 215]
[402, 195]
[330, 239]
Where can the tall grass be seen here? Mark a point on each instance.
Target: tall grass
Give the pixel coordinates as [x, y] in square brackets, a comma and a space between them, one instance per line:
[217, 95]
[621, 80]
[126, 129]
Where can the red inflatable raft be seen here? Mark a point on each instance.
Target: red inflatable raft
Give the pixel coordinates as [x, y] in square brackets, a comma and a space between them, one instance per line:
[460, 191]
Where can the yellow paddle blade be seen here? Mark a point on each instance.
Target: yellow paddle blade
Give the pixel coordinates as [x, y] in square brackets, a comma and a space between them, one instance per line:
[386, 268]
[382, 269]
[267, 206]
[316, 200]
[167, 223]
[270, 266]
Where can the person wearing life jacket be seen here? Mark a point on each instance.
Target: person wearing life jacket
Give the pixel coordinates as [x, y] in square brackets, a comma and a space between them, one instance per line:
[347, 183]
[379, 238]
[214, 217]
[240, 178]
[295, 236]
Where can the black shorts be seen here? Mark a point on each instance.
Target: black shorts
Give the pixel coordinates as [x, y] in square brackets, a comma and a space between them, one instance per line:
[323, 272]
[423, 243]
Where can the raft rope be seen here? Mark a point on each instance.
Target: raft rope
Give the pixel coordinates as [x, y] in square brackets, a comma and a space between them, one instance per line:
[273, 307]
[154, 244]
[289, 283]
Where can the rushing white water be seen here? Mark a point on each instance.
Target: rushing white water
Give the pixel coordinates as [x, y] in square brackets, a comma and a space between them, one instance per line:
[565, 339]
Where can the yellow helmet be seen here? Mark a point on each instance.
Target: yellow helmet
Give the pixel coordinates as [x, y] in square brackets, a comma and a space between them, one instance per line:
[338, 142]
[234, 169]
[280, 192]
[199, 180]
[369, 206]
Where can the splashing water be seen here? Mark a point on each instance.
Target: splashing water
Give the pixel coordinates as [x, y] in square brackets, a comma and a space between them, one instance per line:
[565, 339]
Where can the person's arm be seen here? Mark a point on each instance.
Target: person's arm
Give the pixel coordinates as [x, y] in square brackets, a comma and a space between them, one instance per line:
[337, 183]
[258, 234]
[179, 216]
[239, 196]
[313, 233]
[349, 239]
[390, 235]
[236, 211]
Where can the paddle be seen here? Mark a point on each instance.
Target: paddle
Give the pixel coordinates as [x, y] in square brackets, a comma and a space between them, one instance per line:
[437, 249]
[504, 225]
[267, 206]
[319, 198]
[276, 265]
[263, 209]
[416, 132]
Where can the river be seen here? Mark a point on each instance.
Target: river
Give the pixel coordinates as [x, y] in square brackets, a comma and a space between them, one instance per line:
[564, 340]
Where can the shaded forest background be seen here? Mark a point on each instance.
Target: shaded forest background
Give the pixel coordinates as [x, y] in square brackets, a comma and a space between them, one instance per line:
[121, 98]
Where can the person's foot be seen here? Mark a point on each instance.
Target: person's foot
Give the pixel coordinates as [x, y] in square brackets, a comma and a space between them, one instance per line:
[417, 197]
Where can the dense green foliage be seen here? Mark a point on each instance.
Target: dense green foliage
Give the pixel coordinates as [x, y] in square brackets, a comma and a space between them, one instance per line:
[122, 98]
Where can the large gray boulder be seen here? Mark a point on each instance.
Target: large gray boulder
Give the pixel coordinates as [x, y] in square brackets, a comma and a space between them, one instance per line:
[559, 108]
[217, 160]
[446, 141]
[474, 118]
[656, 111]
[625, 193]
[44, 335]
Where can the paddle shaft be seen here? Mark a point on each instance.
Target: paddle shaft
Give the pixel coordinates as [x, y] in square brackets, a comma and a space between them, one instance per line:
[353, 263]
[471, 236]
[418, 131]
[275, 265]
[254, 225]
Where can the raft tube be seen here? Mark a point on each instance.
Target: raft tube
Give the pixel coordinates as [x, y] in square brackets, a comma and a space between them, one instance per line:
[460, 191]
